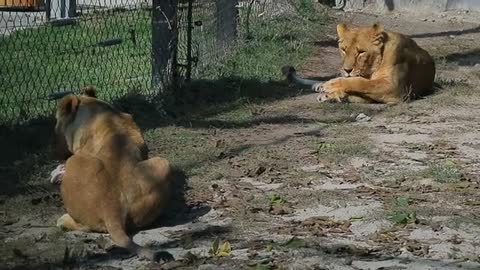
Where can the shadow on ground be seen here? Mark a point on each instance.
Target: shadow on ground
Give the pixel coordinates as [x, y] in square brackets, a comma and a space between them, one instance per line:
[334, 43]
[27, 147]
[468, 58]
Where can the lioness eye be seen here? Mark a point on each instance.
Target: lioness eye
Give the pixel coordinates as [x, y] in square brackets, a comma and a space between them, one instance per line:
[360, 51]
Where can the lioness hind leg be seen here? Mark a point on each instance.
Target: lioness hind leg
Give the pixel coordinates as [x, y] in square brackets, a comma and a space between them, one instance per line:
[67, 223]
[357, 99]
[156, 168]
[117, 232]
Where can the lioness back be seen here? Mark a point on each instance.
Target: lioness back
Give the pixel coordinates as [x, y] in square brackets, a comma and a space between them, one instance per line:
[421, 67]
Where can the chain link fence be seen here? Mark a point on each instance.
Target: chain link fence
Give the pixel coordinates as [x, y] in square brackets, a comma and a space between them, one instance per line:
[62, 45]
[212, 31]
[119, 46]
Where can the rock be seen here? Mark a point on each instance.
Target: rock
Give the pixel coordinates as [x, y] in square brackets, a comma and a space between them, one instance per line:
[361, 117]
[313, 168]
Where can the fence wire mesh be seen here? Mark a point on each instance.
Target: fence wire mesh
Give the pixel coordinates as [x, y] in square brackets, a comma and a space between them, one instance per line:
[215, 29]
[120, 46]
[63, 45]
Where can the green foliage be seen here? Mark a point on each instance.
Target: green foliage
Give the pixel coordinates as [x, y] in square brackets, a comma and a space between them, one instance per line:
[295, 242]
[37, 61]
[446, 172]
[276, 199]
[402, 213]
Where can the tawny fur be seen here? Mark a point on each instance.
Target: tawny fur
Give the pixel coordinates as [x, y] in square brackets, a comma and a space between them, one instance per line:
[379, 66]
[109, 184]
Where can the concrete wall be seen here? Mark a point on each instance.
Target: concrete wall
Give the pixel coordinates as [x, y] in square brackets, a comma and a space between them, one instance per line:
[463, 5]
[417, 6]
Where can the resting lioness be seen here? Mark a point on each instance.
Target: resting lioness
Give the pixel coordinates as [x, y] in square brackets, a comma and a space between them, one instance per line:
[378, 66]
[108, 183]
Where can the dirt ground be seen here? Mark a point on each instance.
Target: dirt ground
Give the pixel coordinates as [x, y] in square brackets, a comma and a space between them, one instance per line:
[295, 184]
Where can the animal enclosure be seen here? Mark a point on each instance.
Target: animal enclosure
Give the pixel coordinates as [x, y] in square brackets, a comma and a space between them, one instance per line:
[121, 47]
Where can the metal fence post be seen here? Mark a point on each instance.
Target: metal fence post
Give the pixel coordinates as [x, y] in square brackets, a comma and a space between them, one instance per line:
[226, 18]
[164, 37]
[188, 73]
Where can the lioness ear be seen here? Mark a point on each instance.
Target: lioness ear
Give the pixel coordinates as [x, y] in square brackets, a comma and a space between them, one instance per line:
[68, 104]
[89, 91]
[341, 29]
[378, 34]
[378, 27]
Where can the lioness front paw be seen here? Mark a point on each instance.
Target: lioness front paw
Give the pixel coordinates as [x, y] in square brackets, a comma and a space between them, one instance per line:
[317, 87]
[333, 91]
[56, 176]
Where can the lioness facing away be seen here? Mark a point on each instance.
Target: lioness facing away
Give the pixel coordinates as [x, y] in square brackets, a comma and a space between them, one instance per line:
[378, 66]
[108, 184]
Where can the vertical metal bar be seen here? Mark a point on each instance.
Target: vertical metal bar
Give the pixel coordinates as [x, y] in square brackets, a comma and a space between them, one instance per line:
[226, 18]
[72, 9]
[62, 9]
[163, 42]
[188, 73]
[48, 6]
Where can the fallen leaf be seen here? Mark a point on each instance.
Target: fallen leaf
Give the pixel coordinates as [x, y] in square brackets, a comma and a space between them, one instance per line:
[220, 250]
[224, 250]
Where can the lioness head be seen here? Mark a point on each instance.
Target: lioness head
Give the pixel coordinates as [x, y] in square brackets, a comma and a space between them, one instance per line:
[65, 117]
[361, 49]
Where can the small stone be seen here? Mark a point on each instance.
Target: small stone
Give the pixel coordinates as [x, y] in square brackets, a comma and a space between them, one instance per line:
[260, 170]
[361, 117]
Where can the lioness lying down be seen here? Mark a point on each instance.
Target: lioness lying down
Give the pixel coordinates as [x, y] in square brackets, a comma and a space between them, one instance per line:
[108, 184]
[378, 66]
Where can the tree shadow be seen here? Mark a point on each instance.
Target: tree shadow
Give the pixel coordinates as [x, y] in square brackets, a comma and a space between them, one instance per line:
[235, 151]
[203, 99]
[390, 5]
[468, 58]
[23, 146]
[447, 33]
[178, 212]
[326, 43]
[334, 42]
[27, 147]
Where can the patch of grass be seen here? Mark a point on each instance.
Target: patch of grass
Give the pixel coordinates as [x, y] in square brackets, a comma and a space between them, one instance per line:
[275, 42]
[446, 172]
[295, 242]
[403, 217]
[188, 149]
[248, 66]
[242, 113]
[402, 212]
[342, 149]
[276, 199]
[39, 61]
